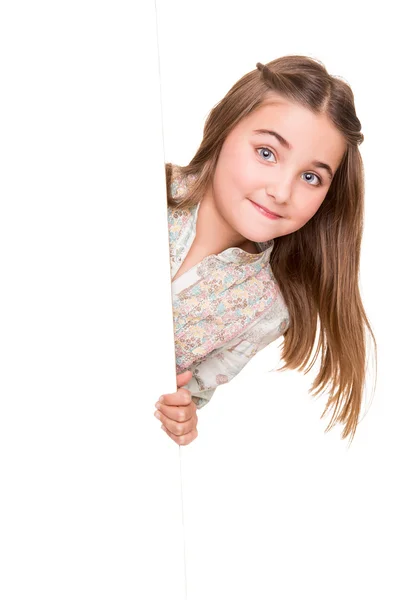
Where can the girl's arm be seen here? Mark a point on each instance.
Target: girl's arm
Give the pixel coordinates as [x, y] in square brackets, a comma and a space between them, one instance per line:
[223, 364]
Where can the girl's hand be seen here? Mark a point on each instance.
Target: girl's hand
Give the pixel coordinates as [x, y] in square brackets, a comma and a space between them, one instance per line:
[177, 412]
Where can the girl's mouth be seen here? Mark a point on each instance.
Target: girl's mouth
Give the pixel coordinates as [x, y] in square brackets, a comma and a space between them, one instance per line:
[265, 211]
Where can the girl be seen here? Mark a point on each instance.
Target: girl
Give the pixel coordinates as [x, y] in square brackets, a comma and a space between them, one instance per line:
[265, 227]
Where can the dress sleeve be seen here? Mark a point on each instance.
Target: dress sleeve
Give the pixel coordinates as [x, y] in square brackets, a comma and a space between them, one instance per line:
[223, 364]
[217, 368]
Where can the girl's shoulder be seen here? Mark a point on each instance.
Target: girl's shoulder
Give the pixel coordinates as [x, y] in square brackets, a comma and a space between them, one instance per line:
[179, 182]
[179, 218]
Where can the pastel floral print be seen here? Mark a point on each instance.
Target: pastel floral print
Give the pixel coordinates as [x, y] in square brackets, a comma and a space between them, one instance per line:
[225, 309]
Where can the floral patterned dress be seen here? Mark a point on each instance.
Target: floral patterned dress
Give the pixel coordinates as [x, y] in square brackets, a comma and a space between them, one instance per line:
[226, 308]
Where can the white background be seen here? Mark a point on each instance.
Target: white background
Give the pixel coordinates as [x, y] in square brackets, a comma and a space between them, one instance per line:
[90, 487]
[274, 507]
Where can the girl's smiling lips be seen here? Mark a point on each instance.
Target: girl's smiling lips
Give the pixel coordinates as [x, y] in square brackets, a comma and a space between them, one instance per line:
[265, 211]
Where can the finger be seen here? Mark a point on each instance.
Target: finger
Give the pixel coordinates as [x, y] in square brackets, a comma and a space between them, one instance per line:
[182, 440]
[182, 397]
[178, 428]
[183, 378]
[178, 413]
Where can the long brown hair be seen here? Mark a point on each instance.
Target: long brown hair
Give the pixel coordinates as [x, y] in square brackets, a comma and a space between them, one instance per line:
[316, 267]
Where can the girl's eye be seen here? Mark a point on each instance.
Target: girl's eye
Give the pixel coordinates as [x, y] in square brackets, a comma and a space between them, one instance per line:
[266, 153]
[310, 177]
[318, 179]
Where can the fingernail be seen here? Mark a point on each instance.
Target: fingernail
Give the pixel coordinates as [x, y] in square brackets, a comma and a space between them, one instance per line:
[162, 427]
[157, 415]
[161, 399]
[158, 404]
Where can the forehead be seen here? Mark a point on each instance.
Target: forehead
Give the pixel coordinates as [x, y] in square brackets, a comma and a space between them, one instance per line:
[292, 114]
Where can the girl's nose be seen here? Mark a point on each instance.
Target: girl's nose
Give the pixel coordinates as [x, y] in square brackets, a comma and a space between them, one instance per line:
[280, 190]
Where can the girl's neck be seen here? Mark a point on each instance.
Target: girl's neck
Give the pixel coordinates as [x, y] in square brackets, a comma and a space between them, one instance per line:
[214, 234]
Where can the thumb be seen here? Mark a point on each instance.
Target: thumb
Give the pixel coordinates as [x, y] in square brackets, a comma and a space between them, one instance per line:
[183, 378]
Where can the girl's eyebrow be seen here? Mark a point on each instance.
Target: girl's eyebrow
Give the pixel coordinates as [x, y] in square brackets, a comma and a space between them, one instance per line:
[322, 165]
[285, 143]
[277, 135]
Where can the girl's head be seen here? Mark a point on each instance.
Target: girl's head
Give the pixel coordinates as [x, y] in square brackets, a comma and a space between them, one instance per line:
[282, 157]
[310, 172]
[295, 97]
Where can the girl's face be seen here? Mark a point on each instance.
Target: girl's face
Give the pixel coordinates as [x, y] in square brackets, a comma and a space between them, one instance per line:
[282, 157]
